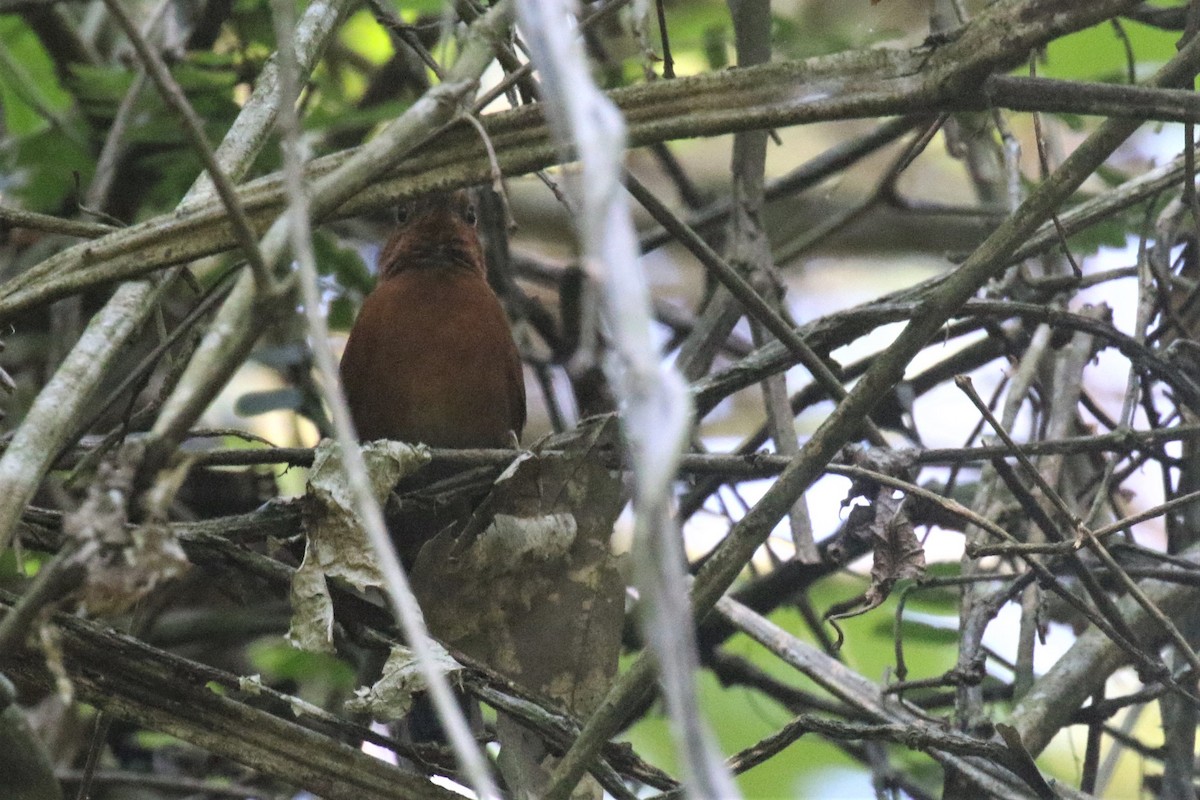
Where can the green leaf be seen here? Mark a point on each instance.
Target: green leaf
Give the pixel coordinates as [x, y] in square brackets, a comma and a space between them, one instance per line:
[1097, 53]
[279, 661]
[333, 119]
[689, 30]
[153, 740]
[343, 263]
[716, 47]
[367, 37]
[415, 9]
[40, 169]
[915, 631]
[341, 314]
[1112, 232]
[26, 51]
[251, 23]
[208, 86]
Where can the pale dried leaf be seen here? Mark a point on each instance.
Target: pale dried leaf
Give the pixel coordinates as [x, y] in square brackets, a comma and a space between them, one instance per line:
[312, 612]
[536, 589]
[123, 564]
[336, 545]
[390, 697]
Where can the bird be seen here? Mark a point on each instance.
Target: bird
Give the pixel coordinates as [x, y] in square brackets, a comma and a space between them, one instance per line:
[431, 357]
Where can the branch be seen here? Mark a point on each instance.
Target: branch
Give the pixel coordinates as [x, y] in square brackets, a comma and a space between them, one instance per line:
[989, 259]
[125, 677]
[1057, 695]
[847, 85]
[1018, 93]
[62, 402]
[657, 412]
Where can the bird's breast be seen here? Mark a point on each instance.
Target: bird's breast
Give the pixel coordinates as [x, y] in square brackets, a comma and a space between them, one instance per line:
[431, 359]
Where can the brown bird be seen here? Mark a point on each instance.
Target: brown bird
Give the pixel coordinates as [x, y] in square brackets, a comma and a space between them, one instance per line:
[431, 357]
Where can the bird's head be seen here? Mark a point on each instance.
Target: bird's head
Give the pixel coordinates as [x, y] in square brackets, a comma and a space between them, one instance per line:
[434, 232]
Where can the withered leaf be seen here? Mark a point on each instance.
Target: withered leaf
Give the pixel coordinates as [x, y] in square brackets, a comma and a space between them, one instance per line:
[390, 697]
[531, 586]
[123, 563]
[897, 554]
[336, 545]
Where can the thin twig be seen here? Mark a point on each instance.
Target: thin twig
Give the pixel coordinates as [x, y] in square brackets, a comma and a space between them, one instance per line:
[19, 218]
[193, 126]
[751, 300]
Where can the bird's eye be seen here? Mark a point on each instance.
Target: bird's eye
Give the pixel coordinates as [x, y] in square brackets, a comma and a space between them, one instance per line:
[469, 216]
[403, 213]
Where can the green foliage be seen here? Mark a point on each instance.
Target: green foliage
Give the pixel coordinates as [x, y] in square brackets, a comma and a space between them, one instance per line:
[153, 740]
[716, 47]
[25, 54]
[1111, 232]
[30, 563]
[740, 717]
[207, 83]
[367, 37]
[868, 646]
[352, 276]
[334, 118]
[341, 262]
[315, 675]
[251, 22]
[1097, 54]
[412, 10]
[40, 168]
[920, 631]
[689, 27]
[342, 311]
[791, 37]
[935, 599]
[45, 147]
[155, 137]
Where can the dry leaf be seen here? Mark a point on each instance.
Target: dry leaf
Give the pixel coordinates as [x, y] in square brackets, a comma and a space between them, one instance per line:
[531, 586]
[390, 697]
[897, 551]
[336, 544]
[123, 563]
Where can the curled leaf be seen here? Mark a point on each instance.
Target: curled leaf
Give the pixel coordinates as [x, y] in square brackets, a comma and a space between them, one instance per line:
[897, 554]
[390, 697]
[336, 544]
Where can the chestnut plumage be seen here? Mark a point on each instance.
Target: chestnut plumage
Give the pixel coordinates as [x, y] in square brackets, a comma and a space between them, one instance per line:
[431, 356]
